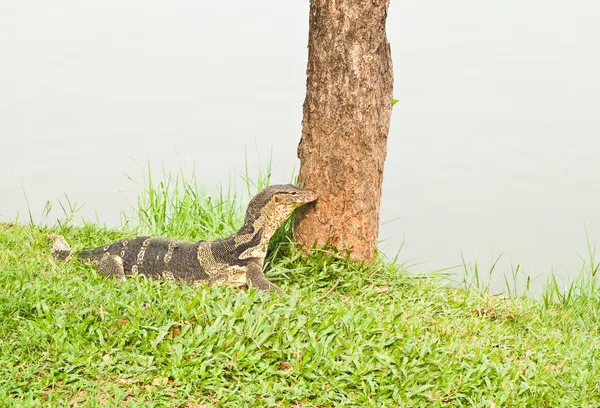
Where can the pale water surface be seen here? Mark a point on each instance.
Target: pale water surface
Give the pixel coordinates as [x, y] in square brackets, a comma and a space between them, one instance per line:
[494, 146]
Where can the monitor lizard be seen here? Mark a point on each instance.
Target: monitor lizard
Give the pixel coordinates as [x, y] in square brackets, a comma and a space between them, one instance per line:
[233, 261]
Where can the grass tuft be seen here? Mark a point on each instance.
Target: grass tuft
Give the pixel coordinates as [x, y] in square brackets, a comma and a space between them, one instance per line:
[176, 206]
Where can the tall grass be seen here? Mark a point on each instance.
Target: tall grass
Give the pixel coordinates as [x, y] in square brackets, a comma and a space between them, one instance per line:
[176, 205]
[583, 287]
[472, 278]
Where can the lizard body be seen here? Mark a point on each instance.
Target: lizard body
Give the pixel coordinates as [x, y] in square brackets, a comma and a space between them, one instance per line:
[236, 260]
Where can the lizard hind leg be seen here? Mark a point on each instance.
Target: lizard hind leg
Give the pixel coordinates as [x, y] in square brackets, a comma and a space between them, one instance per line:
[257, 279]
[112, 266]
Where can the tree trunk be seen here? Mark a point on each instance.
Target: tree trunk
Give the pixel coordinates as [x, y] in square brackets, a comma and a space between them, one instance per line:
[345, 126]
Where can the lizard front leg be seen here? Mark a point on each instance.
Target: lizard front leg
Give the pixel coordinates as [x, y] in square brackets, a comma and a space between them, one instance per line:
[112, 266]
[257, 279]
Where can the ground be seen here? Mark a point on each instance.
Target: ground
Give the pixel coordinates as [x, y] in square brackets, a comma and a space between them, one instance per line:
[381, 337]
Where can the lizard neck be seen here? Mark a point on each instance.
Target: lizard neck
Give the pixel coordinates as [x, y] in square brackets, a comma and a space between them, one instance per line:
[252, 240]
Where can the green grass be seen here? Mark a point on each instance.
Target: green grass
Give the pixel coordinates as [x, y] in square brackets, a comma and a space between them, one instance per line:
[381, 337]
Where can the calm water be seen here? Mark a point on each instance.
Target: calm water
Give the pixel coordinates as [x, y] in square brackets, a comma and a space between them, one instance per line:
[494, 146]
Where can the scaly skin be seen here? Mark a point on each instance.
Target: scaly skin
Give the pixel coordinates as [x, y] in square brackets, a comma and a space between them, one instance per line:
[236, 260]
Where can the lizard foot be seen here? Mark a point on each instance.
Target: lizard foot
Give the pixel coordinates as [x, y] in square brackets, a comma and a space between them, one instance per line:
[257, 279]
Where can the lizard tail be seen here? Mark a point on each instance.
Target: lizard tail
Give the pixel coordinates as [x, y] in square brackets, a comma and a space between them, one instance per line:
[91, 254]
[60, 247]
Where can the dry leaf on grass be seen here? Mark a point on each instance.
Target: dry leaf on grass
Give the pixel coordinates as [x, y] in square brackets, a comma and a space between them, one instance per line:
[160, 381]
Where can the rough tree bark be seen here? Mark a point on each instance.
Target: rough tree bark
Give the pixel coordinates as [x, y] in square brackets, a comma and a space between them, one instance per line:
[345, 126]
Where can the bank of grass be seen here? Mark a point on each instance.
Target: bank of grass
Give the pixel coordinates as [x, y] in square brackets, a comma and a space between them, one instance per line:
[380, 338]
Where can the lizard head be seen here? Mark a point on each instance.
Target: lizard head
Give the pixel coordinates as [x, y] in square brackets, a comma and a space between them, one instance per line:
[276, 203]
